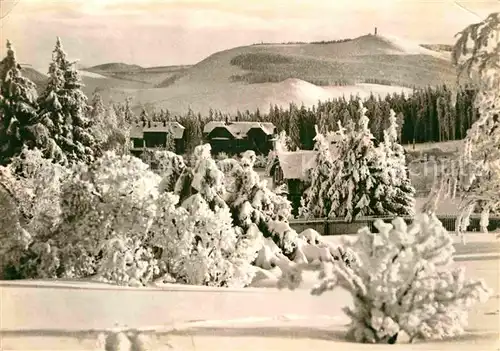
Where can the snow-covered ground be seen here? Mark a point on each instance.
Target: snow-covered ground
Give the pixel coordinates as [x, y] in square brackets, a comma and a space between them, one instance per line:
[409, 47]
[92, 75]
[67, 315]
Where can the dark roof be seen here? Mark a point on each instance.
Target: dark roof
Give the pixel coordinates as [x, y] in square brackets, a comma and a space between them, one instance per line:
[239, 130]
[137, 131]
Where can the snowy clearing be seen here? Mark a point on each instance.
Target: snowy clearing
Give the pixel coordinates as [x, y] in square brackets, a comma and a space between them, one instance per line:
[70, 315]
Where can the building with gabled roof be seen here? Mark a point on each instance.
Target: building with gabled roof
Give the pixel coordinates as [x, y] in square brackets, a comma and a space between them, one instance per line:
[234, 136]
[155, 134]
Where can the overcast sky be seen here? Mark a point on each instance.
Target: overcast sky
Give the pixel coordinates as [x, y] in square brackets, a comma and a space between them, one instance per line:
[167, 32]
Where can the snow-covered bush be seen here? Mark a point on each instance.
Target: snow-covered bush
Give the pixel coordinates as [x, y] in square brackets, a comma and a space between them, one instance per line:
[261, 161]
[113, 198]
[13, 238]
[33, 184]
[208, 179]
[213, 258]
[167, 164]
[38, 189]
[127, 261]
[39, 260]
[222, 156]
[199, 243]
[401, 281]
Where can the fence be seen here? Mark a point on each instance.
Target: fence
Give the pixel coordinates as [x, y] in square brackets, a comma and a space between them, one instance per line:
[339, 226]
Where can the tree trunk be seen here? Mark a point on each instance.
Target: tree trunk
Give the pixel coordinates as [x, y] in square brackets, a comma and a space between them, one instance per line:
[392, 340]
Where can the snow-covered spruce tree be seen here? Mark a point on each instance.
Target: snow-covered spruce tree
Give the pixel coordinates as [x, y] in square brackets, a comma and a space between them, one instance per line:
[118, 136]
[109, 132]
[399, 194]
[315, 202]
[107, 210]
[476, 53]
[18, 112]
[212, 250]
[64, 110]
[100, 125]
[359, 175]
[401, 282]
[207, 178]
[252, 204]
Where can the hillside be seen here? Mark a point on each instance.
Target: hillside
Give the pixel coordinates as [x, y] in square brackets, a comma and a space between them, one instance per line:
[91, 81]
[153, 76]
[114, 67]
[32, 74]
[369, 58]
[255, 76]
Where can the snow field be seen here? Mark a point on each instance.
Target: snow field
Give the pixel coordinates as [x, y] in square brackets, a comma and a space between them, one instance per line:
[202, 318]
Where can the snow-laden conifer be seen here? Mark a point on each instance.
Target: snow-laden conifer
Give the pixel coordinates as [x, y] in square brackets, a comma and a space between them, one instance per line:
[19, 125]
[397, 197]
[358, 175]
[253, 203]
[316, 201]
[64, 110]
[476, 173]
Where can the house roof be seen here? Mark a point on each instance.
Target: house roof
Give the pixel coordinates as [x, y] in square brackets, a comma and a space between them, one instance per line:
[177, 129]
[136, 132]
[295, 164]
[239, 129]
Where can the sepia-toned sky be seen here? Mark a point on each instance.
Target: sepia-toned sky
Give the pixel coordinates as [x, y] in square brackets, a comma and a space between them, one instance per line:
[167, 32]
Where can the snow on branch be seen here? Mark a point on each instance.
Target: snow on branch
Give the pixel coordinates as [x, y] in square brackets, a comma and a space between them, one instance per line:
[477, 52]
